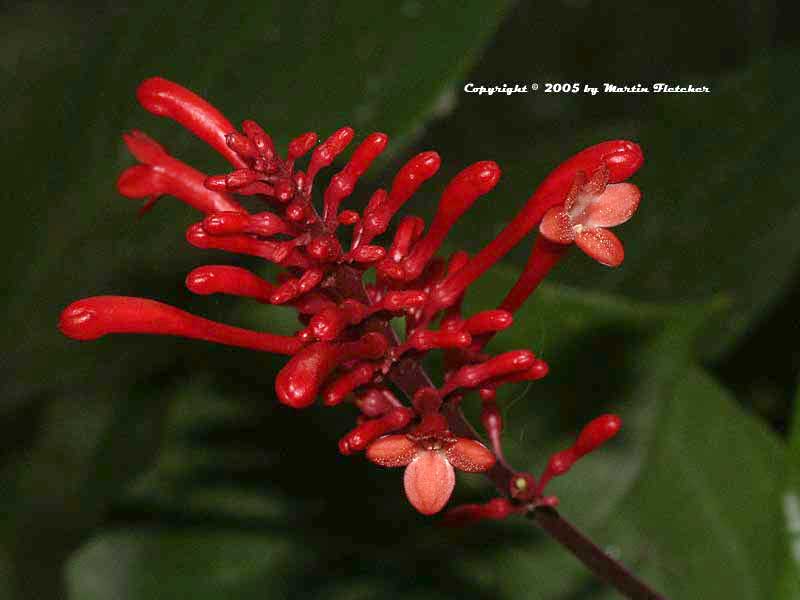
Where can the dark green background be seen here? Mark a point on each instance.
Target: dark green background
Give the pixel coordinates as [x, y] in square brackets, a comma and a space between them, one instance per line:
[141, 468]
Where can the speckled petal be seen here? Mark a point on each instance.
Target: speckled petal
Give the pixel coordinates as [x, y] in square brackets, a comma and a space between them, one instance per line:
[601, 245]
[392, 451]
[597, 182]
[578, 184]
[556, 226]
[429, 481]
[614, 206]
[470, 456]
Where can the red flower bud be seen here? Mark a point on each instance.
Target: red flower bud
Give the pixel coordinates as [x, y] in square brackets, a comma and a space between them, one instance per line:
[91, 318]
[594, 435]
[167, 99]
[407, 181]
[466, 514]
[361, 437]
[458, 196]
[235, 281]
[299, 381]
[162, 175]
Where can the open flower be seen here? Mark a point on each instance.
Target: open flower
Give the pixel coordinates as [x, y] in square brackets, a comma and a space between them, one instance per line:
[429, 458]
[592, 205]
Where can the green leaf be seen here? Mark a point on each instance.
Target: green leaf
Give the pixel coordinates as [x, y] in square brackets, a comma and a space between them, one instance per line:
[706, 505]
[205, 565]
[790, 580]
[86, 448]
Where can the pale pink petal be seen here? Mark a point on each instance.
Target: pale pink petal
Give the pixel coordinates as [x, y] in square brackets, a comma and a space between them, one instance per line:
[575, 190]
[470, 455]
[601, 245]
[392, 451]
[556, 226]
[429, 480]
[614, 206]
[597, 183]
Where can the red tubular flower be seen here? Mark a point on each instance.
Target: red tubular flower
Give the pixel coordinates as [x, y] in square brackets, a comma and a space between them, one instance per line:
[347, 351]
[160, 174]
[495, 509]
[594, 435]
[461, 192]
[91, 318]
[407, 181]
[235, 281]
[622, 159]
[299, 381]
[167, 99]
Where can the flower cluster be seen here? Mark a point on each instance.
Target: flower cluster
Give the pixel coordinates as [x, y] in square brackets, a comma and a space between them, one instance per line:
[346, 350]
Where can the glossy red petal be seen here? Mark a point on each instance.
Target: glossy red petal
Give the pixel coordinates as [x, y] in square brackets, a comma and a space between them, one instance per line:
[614, 206]
[470, 456]
[168, 99]
[556, 226]
[601, 245]
[429, 481]
[91, 318]
[392, 451]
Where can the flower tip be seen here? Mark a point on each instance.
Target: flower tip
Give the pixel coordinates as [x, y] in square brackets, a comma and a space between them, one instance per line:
[197, 236]
[300, 145]
[377, 141]
[294, 391]
[201, 281]
[485, 175]
[539, 369]
[427, 164]
[597, 433]
[79, 321]
[625, 160]
[150, 93]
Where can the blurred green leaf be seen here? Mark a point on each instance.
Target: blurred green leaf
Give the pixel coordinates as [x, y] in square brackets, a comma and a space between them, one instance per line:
[707, 499]
[790, 580]
[205, 565]
[86, 449]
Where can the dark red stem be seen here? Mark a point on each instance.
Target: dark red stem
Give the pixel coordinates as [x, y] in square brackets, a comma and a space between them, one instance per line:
[597, 561]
